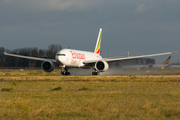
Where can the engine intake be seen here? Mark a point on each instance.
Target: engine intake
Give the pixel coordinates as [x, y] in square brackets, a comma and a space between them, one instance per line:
[48, 66]
[101, 65]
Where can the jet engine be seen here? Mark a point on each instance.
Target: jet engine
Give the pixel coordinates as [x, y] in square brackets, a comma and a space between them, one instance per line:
[47, 66]
[101, 66]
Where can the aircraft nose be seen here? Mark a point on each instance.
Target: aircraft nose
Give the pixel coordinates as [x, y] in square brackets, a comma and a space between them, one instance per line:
[60, 58]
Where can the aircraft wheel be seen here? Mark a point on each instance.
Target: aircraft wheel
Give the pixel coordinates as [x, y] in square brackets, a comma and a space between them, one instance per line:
[94, 73]
[62, 73]
[67, 73]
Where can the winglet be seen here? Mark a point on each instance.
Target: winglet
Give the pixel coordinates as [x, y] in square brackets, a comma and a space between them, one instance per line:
[98, 43]
[173, 51]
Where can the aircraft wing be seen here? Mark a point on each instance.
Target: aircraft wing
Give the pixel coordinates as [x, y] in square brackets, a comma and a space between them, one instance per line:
[135, 57]
[125, 58]
[28, 57]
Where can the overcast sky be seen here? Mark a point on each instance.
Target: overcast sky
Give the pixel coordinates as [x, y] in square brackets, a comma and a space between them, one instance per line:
[140, 26]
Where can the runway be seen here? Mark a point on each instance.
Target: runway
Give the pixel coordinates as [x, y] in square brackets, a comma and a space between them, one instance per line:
[130, 71]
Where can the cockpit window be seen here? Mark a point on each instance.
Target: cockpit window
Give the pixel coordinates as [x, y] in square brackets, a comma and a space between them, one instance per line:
[60, 55]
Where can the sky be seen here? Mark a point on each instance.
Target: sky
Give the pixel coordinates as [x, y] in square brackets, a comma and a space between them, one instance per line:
[140, 26]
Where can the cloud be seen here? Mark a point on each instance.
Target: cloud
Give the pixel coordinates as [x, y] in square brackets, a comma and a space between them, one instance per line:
[142, 8]
[63, 4]
[59, 5]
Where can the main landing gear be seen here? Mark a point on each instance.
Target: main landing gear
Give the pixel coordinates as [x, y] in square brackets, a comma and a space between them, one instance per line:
[95, 73]
[65, 71]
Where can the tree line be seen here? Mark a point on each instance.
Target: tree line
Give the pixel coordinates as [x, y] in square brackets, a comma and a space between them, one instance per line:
[8, 61]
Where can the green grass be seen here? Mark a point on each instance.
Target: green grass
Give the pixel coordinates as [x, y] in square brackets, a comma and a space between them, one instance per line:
[88, 97]
[84, 88]
[6, 89]
[56, 89]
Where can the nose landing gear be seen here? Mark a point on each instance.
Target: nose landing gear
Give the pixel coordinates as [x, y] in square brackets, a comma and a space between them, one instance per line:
[65, 71]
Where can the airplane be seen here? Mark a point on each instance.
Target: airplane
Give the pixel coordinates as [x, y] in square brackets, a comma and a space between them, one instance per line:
[164, 64]
[71, 58]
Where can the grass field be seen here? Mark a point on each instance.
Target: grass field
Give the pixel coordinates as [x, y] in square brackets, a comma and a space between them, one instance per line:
[34, 94]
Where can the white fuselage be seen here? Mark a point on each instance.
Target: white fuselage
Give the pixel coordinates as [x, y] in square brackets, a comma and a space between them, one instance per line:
[75, 58]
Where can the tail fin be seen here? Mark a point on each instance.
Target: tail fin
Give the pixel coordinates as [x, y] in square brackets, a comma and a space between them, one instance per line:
[167, 60]
[98, 43]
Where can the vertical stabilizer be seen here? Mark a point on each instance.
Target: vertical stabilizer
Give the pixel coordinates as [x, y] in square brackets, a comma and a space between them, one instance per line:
[167, 60]
[98, 43]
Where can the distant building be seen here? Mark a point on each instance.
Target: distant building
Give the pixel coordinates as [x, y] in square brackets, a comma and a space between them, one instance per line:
[32, 64]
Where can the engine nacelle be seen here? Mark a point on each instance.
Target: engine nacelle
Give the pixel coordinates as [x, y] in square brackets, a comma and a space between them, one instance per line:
[101, 66]
[47, 66]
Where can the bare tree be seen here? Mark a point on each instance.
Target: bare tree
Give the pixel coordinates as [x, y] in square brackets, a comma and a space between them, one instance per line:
[42, 53]
[2, 50]
[9, 61]
[2, 57]
[53, 49]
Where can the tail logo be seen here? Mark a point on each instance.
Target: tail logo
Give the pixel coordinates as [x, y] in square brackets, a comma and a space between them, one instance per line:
[98, 47]
[167, 60]
[98, 44]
